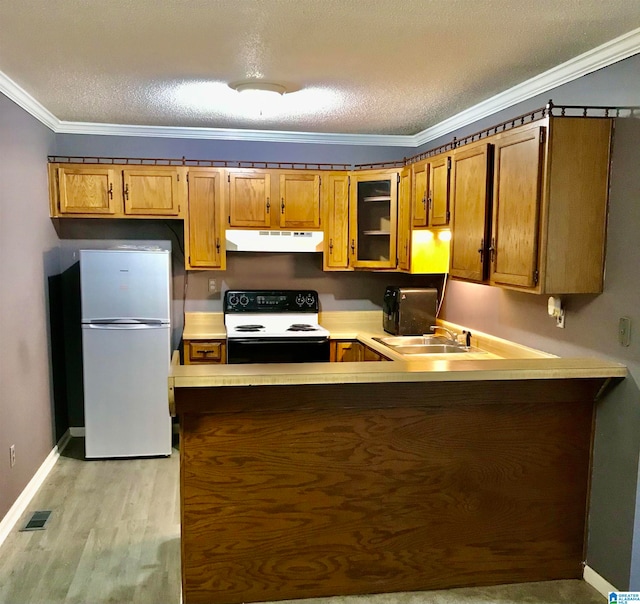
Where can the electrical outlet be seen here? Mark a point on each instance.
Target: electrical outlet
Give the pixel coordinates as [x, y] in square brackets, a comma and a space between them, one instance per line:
[624, 331]
[12, 456]
[213, 286]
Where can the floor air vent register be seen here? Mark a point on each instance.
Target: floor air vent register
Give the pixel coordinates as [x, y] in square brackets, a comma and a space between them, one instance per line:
[37, 521]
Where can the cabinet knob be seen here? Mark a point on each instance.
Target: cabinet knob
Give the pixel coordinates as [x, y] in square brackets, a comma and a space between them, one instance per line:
[218, 244]
[481, 251]
[110, 190]
[282, 205]
[331, 245]
[353, 246]
[268, 204]
[126, 191]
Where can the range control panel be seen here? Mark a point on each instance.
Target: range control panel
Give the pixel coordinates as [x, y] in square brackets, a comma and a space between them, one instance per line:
[267, 301]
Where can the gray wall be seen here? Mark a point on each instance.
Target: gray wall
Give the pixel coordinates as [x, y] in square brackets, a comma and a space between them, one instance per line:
[172, 148]
[591, 327]
[28, 255]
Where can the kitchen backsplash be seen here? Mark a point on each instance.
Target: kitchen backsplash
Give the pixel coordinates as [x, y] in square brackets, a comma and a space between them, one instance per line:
[355, 290]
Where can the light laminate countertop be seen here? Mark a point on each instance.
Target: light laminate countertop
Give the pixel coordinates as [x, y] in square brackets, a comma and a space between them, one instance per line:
[501, 360]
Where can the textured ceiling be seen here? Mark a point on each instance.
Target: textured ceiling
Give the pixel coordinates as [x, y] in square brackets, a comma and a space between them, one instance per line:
[356, 66]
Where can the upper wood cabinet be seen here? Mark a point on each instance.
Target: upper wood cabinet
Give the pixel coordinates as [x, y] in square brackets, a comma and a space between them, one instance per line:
[87, 189]
[550, 201]
[300, 201]
[335, 186]
[515, 232]
[431, 192]
[151, 191]
[439, 168]
[419, 194]
[404, 220]
[205, 226]
[274, 199]
[471, 202]
[373, 213]
[249, 198]
[117, 191]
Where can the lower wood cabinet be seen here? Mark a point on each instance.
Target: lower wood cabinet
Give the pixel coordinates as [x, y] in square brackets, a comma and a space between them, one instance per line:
[348, 351]
[197, 352]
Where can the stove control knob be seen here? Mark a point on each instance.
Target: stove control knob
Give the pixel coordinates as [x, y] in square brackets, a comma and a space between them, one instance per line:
[300, 300]
[310, 299]
[244, 300]
[233, 300]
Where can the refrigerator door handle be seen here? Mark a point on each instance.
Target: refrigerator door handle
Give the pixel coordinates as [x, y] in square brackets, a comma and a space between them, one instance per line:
[125, 322]
[125, 325]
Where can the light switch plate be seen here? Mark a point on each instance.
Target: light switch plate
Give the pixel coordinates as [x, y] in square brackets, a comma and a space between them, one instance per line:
[213, 286]
[624, 331]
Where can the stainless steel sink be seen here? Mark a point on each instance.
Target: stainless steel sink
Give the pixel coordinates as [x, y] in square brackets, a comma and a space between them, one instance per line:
[413, 345]
[393, 341]
[430, 349]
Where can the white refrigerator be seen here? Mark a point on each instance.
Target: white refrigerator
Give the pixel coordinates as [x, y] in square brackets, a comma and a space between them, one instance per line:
[126, 350]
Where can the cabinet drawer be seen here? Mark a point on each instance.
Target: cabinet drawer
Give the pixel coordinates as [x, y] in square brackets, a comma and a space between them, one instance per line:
[204, 352]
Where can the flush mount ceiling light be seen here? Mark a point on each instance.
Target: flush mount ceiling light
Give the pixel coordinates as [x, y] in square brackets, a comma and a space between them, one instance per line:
[259, 86]
[260, 97]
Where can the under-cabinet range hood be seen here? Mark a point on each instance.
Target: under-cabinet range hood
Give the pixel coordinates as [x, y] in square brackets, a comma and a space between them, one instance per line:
[240, 240]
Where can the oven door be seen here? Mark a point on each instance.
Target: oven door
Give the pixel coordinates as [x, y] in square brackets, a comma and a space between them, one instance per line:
[277, 350]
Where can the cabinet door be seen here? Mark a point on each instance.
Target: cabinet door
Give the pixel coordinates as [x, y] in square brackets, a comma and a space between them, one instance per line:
[205, 237]
[88, 190]
[438, 196]
[249, 199]
[404, 221]
[471, 207]
[346, 352]
[516, 208]
[420, 190]
[336, 221]
[369, 354]
[151, 191]
[300, 201]
[373, 219]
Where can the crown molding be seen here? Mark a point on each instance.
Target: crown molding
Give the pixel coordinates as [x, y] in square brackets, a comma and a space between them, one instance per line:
[604, 55]
[272, 136]
[23, 99]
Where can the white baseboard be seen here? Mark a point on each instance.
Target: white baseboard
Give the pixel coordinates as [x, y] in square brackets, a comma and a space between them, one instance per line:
[599, 583]
[24, 499]
[77, 432]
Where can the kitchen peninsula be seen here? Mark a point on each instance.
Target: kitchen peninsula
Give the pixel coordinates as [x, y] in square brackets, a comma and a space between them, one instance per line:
[308, 480]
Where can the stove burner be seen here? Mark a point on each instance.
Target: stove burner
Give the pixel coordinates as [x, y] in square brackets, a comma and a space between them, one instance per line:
[249, 327]
[302, 327]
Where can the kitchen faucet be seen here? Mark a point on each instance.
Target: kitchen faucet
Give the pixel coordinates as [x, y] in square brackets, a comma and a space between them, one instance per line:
[451, 336]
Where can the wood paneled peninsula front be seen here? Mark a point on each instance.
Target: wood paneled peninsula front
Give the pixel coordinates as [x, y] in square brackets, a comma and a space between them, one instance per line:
[319, 479]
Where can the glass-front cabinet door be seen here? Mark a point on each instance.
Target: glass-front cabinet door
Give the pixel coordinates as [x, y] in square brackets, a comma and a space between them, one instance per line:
[374, 212]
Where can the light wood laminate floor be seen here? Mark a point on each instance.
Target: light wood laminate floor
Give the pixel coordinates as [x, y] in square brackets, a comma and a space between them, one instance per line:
[114, 536]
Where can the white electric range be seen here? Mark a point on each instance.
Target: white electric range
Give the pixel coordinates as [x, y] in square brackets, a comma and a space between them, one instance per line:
[274, 326]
